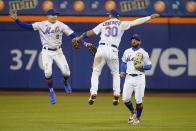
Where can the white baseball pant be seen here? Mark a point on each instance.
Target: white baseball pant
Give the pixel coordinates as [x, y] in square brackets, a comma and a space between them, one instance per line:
[134, 84]
[106, 55]
[47, 59]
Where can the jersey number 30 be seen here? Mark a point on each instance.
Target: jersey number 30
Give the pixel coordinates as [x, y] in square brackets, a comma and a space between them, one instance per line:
[111, 31]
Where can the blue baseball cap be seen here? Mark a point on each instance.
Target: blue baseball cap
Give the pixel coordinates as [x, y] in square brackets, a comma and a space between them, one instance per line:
[137, 37]
[52, 12]
[114, 13]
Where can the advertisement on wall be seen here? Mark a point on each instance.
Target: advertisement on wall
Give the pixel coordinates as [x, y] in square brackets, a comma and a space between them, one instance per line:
[172, 54]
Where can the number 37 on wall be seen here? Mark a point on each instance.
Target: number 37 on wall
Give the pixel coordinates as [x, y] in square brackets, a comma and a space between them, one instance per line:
[18, 61]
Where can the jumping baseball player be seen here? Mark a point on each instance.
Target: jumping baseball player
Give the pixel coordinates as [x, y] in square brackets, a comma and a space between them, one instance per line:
[135, 61]
[110, 32]
[51, 32]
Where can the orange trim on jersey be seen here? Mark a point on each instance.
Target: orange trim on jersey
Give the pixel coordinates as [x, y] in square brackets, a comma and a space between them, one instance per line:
[98, 19]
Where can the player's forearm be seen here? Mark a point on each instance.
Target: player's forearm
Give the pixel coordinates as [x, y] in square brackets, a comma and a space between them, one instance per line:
[23, 24]
[140, 21]
[123, 67]
[90, 33]
[87, 34]
[147, 67]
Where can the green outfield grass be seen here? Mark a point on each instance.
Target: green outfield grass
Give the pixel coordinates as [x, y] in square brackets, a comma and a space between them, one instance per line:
[72, 113]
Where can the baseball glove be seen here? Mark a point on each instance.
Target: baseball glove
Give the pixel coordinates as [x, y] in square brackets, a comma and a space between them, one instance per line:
[92, 49]
[137, 60]
[75, 43]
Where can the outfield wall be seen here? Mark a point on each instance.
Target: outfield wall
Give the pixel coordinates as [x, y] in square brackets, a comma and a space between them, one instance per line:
[172, 48]
[100, 7]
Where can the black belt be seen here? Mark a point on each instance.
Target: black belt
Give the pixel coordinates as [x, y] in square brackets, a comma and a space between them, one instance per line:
[51, 49]
[111, 45]
[133, 75]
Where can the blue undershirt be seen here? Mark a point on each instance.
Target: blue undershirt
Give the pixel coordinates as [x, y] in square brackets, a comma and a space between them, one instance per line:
[123, 67]
[147, 67]
[24, 25]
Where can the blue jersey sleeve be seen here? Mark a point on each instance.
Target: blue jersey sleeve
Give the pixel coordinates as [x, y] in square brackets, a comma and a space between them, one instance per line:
[147, 67]
[24, 25]
[123, 67]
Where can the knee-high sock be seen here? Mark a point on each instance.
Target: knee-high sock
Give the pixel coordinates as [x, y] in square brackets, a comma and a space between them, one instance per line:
[139, 108]
[49, 82]
[65, 80]
[129, 105]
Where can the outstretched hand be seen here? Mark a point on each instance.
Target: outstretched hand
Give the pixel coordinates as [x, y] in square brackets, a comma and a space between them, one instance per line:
[155, 15]
[13, 15]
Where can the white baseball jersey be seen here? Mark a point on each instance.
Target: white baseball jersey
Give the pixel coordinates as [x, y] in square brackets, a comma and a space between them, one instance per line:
[113, 29]
[128, 58]
[111, 33]
[134, 83]
[51, 33]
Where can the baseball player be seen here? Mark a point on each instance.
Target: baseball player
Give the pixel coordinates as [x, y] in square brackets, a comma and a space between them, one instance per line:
[51, 32]
[110, 32]
[135, 61]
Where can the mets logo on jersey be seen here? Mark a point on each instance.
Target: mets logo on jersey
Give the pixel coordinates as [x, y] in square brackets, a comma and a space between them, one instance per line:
[50, 30]
[129, 58]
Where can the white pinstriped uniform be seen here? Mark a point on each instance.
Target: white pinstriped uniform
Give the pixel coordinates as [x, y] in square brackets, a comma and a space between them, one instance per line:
[134, 83]
[111, 32]
[51, 38]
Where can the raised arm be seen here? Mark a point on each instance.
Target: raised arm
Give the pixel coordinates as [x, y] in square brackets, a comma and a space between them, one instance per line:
[127, 24]
[22, 24]
[145, 19]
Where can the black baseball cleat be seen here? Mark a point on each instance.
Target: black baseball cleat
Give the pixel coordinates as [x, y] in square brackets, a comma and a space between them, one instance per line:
[91, 99]
[116, 100]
